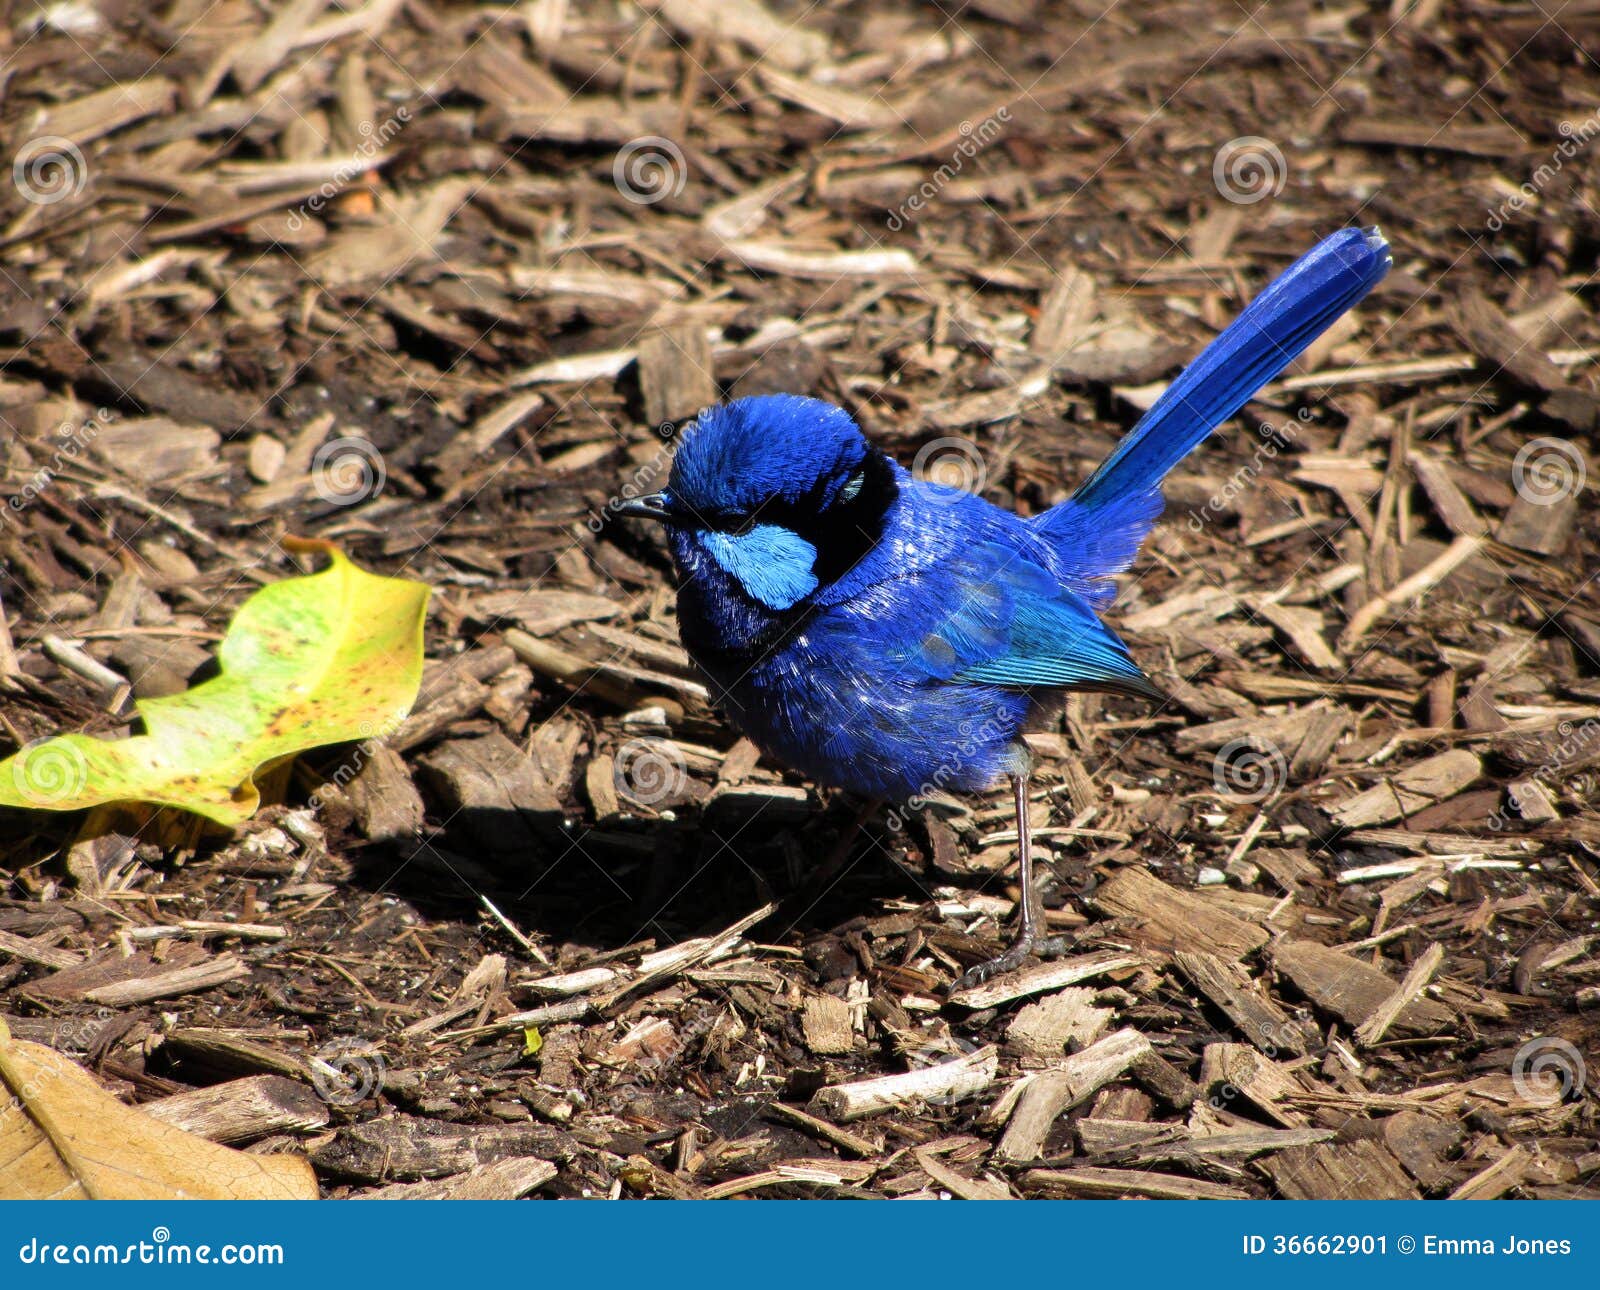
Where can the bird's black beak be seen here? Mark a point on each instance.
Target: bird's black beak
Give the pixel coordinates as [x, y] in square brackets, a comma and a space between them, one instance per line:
[652, 506]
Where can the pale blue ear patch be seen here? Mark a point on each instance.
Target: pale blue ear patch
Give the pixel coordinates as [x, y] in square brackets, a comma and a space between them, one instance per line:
[771, 562]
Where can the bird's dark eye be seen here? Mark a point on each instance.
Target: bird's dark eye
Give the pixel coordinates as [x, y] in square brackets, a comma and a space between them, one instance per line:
[739, 524]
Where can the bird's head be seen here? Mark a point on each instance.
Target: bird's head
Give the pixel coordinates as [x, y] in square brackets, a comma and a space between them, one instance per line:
[780, 493]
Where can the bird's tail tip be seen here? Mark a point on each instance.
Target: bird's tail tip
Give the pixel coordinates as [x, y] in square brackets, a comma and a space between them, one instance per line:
[1374, 249]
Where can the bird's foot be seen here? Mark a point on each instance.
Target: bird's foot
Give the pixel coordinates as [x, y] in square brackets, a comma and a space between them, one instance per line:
[1052, 947]
[1009, 961]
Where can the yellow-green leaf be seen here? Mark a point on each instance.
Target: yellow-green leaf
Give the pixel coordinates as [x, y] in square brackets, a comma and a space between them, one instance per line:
[307, 661]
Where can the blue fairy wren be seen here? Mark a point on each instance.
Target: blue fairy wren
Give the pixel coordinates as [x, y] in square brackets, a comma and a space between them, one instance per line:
[893, 636]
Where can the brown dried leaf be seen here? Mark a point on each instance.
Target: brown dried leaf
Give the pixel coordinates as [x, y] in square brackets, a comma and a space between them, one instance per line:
[64, 1137]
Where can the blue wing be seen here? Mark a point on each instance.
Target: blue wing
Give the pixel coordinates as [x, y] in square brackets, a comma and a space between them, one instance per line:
[1006, 621]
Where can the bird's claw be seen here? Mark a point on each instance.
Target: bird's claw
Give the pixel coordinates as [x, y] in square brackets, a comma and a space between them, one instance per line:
[1050, 947]
[1009, 961]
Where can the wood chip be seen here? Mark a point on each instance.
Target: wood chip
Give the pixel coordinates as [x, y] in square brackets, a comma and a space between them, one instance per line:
[171, 983]
[675, 374]
[1372, 1030]
[29, 950]
[1119, 1184]
[826, 1024]
[1043, 977]
[1163, 919]
[947, 1081]
[1261, 1021]
[503, 1180]
[1043, 1031]
[1413, 789]
[1361, 1170]
[1072, 1082]
[1353, 990]
[243, 1110]
[407, 1148]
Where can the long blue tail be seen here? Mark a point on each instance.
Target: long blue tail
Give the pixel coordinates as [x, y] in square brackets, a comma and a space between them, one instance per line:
[1100, 528]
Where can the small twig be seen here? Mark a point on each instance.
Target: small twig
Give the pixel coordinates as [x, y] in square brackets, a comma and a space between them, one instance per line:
[1409, 591]
[948, 1081]
[1416, 980]
[845, 1140]
[514, 931]
[199, 928]
[70, 655]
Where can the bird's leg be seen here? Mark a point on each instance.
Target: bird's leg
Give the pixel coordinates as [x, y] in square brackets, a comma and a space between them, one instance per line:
[1031, 918]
